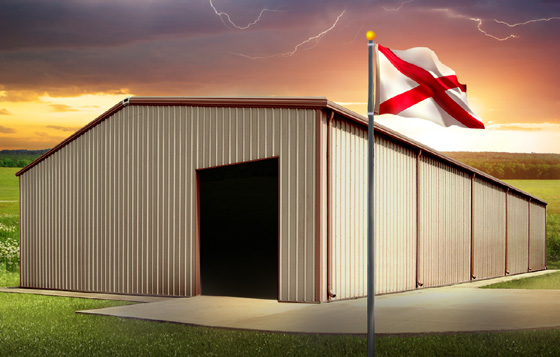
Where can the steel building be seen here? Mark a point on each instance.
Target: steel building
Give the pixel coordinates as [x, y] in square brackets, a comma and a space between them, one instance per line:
[261, 197]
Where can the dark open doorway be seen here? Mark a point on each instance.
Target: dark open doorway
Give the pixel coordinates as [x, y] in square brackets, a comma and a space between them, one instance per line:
[239, 230]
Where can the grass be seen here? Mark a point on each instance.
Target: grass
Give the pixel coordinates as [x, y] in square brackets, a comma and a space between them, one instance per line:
[548, 190]
[9, 279]
[46, 325]
[9, 191]
[547, 281]
[9, 211]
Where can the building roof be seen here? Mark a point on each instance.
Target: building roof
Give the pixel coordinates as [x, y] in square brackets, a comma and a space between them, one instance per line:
[320, 103]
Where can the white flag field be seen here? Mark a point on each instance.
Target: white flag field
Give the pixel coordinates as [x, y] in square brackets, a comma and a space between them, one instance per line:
[413, 83]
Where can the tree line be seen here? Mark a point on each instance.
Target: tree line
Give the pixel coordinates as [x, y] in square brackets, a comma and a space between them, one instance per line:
[511, 166]
[19, 158]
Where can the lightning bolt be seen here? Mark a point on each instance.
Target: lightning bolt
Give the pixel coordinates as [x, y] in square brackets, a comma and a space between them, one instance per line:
[400, 6]
[315, 38]
[479, 27]
[480, 21]
[225, 16]
[526, 22]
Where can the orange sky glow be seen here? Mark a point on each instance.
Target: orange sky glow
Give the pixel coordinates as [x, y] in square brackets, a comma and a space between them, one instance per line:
[63, 63]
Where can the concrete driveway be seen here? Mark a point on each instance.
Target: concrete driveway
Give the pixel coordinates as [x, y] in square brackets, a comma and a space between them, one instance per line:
[458, 308]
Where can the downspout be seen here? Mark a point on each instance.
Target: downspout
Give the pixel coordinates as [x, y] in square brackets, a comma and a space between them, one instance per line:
[507, 229]
[419, 283]
[529, 238]
[472, 226]
[330, 293]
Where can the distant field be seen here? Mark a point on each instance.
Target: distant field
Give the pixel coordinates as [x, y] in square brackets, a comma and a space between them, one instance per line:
[548, 190]
[8, 191]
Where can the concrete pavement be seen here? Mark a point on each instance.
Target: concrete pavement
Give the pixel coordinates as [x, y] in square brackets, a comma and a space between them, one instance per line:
[458, 308]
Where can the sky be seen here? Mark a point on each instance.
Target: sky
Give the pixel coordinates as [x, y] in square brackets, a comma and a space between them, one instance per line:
[63, 62]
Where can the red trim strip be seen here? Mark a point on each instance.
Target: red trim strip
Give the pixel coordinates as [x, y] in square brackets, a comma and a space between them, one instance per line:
[318, 203]
[197, 288]
[330, 119]
[435, 87]
[472, 226]
[529, 237]
[507, 230]
[237, 163]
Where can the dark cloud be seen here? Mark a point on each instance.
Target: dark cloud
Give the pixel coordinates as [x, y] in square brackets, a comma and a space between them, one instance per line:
[5, 130]
[82, 24]
[4, 111]
[63, 128]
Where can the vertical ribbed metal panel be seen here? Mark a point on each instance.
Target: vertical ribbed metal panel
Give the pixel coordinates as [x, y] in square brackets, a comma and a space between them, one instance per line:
[395, 217]
[489, 229]
[395, 214]
[445, 224]
[115, 210]
[518, 234]
[537, 249]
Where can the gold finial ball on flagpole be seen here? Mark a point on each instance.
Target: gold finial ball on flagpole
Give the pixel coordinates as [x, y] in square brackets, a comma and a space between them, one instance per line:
[370, 35]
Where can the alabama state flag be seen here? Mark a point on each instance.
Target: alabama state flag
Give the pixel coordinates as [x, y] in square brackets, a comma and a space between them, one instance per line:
[414, 83]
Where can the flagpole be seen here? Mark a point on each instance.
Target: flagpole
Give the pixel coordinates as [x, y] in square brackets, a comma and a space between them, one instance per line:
[370, 208]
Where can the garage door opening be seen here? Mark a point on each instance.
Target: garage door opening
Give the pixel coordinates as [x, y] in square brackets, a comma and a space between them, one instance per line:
[239, 230]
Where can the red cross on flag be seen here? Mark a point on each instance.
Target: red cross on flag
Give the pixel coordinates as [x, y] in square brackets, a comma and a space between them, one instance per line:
[414, 83]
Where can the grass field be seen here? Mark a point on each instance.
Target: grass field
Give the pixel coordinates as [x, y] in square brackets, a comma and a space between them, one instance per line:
[548, 190]
[9, 191]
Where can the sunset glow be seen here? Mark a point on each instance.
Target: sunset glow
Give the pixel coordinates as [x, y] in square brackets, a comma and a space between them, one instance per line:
[63, 63]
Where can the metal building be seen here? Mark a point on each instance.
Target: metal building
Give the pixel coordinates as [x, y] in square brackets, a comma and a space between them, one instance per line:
[261, 197]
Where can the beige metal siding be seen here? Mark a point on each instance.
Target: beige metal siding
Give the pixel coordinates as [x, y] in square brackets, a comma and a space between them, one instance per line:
[445, 224]
[395, 219]
[537, 249]
[115, 210]
[489, 229]
[518, 234]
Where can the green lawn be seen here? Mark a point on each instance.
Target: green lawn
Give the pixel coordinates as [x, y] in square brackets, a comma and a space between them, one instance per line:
[33, 325]
[547, 281]
[8, 279]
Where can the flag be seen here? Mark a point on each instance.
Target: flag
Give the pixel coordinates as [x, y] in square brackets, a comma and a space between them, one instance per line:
[414, 83]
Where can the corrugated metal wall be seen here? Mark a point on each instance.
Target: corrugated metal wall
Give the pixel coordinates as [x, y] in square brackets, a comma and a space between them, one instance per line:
[114, 210]
[518, 233]
[489, 209]
[395, 217]
[395, 220]
[537, 249]
[445, 224]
